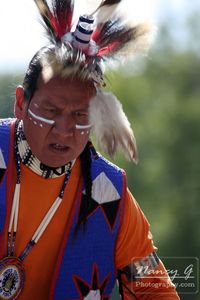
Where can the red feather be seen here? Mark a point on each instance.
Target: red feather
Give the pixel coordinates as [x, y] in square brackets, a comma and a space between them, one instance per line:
[108, 49]
[63, 12]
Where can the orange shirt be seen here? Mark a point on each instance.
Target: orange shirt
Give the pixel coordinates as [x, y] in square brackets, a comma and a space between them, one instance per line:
[36, 197]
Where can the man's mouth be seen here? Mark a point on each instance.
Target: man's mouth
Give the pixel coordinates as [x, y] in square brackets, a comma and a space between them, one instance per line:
[59, 147]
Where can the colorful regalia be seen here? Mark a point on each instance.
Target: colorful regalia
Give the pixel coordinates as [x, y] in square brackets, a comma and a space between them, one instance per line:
[69, 232]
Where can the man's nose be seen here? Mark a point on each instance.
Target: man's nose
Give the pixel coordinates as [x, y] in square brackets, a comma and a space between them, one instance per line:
[64, 126]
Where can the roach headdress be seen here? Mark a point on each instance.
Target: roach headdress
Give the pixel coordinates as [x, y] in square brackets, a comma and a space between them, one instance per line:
[83, 50]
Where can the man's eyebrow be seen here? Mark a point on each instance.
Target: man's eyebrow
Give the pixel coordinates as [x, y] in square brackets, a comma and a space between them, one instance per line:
[78, 107]
[80, 104]
[74, 106]
[47, 102]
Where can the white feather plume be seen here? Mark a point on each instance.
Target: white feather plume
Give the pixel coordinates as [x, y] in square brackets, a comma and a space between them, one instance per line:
[111, 126]
[106, 13]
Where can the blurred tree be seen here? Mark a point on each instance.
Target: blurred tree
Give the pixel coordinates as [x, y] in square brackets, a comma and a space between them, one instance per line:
[8, 82]
[164, 106]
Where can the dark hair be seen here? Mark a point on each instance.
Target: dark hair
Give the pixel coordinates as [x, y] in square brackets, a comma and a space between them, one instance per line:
[33, 72]
[86, 157]
[59, 56]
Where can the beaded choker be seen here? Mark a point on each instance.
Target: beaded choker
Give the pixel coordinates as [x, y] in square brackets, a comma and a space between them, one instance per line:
[31, 161]
[12, 271]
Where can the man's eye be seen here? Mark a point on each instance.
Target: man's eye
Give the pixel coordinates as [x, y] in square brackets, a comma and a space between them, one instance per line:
[81, 113]
[50, 109]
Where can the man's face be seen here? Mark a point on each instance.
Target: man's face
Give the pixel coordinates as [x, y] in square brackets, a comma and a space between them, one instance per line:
[55, 120]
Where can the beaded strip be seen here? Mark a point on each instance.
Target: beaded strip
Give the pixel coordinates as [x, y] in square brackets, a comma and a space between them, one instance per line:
[12, 231]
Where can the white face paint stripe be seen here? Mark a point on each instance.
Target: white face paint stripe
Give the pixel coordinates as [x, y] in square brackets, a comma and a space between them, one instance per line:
[50, 122]
[83, 126]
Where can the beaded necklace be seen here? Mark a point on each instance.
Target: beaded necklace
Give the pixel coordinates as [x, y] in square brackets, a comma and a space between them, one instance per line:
[31, 161]
[12, 272]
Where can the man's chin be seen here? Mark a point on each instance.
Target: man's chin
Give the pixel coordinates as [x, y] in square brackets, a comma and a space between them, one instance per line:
[56, 163]
[55, 158]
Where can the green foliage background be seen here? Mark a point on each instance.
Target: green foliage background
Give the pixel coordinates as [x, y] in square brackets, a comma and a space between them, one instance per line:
[163, 105]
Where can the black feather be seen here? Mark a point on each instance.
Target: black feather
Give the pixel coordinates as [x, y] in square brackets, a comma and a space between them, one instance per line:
[109, 2]
[115, 36]
[62, 6]
[63, 12]
[46, 16]
[106, 3]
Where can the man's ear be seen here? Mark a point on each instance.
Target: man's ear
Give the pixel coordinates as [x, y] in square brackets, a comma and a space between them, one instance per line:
[19, 102]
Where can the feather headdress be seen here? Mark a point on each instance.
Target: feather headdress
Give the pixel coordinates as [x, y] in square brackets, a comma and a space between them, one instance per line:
[95, 40]
[98, 38]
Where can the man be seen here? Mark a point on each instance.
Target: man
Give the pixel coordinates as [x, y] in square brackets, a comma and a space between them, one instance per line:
[69, 225]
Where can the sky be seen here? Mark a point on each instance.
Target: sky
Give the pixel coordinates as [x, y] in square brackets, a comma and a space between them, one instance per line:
[22, 35]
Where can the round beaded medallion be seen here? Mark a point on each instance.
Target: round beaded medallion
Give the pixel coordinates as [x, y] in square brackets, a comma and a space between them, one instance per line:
[11, 278]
